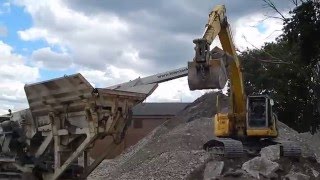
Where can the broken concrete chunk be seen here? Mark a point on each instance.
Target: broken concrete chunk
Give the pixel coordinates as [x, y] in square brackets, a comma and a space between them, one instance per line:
[271, 152]
[296, 176]
[213, 169]
[315, 173]
[260, 166]
[312, 157]
[234, 173]
[273, 176]
[318, 158]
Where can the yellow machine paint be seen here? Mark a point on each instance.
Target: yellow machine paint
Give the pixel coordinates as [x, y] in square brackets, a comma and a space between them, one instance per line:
[221, 125]
[206, 71]
[261, 132]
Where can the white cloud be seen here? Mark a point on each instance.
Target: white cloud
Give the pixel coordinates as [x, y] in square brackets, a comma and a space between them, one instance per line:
[37, 34]
[174, 91]
[46, 58]
[111, 75]
[94, 41]
[12, 92]
[247, 33]
[14, 73]
[110, 48]
[13, 68]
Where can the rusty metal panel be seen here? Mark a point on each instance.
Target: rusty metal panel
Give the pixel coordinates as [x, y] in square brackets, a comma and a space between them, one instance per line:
[54, 95]
[131, 87]
[70, 93]
[71, 106]
[121, 94]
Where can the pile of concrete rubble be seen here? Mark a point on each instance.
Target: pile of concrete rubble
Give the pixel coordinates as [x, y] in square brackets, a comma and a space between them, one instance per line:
[174, 151]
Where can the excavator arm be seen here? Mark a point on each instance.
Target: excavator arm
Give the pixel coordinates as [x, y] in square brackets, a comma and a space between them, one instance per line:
[206, 72]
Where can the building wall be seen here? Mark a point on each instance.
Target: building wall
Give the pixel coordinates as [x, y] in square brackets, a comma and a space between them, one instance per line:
[139, 128]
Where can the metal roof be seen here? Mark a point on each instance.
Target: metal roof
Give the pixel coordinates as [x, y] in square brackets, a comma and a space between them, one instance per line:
[158, 109]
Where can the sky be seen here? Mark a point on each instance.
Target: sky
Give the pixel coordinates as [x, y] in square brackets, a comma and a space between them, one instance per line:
[110, 42]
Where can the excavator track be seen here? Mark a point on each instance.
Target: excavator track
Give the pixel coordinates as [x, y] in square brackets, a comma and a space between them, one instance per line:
[227, 147]
[232, 148]
[290, 149]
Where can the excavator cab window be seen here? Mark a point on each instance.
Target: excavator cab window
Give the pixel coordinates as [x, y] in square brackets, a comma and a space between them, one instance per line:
[257, 112]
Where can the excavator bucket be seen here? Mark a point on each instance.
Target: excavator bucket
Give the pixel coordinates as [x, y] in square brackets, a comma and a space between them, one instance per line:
[209, 75]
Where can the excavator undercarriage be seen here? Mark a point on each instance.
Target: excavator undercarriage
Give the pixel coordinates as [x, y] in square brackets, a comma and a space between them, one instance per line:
[232, 148]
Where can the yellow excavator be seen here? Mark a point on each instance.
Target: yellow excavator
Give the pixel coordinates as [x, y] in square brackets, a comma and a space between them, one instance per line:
[250, 123]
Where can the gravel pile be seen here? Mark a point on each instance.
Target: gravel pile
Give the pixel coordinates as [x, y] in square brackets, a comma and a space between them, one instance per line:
[166, 153]
[312, 142]
[174, 151]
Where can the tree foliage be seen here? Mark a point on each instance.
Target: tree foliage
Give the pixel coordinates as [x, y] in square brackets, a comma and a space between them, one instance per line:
[288, 69]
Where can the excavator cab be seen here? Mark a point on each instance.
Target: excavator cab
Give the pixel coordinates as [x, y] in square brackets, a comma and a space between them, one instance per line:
[257, 112]
[260, 119]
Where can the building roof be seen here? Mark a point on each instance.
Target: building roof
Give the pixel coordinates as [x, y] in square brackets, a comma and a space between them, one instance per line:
[158, 109]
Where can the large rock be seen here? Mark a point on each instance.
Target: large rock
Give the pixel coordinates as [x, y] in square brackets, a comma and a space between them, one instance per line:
[315, 173]
[234, 173]
[260, 166]
[296, 176]
[213, 170]
[271, 152]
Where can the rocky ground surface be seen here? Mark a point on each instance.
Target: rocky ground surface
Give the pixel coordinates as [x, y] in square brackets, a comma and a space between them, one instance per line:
[174, 151]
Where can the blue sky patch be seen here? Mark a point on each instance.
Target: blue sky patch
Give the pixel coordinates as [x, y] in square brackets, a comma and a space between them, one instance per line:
[50, 74]
[17, 19]
[261, 27]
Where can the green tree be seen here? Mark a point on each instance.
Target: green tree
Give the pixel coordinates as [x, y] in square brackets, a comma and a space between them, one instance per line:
[288, 70]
